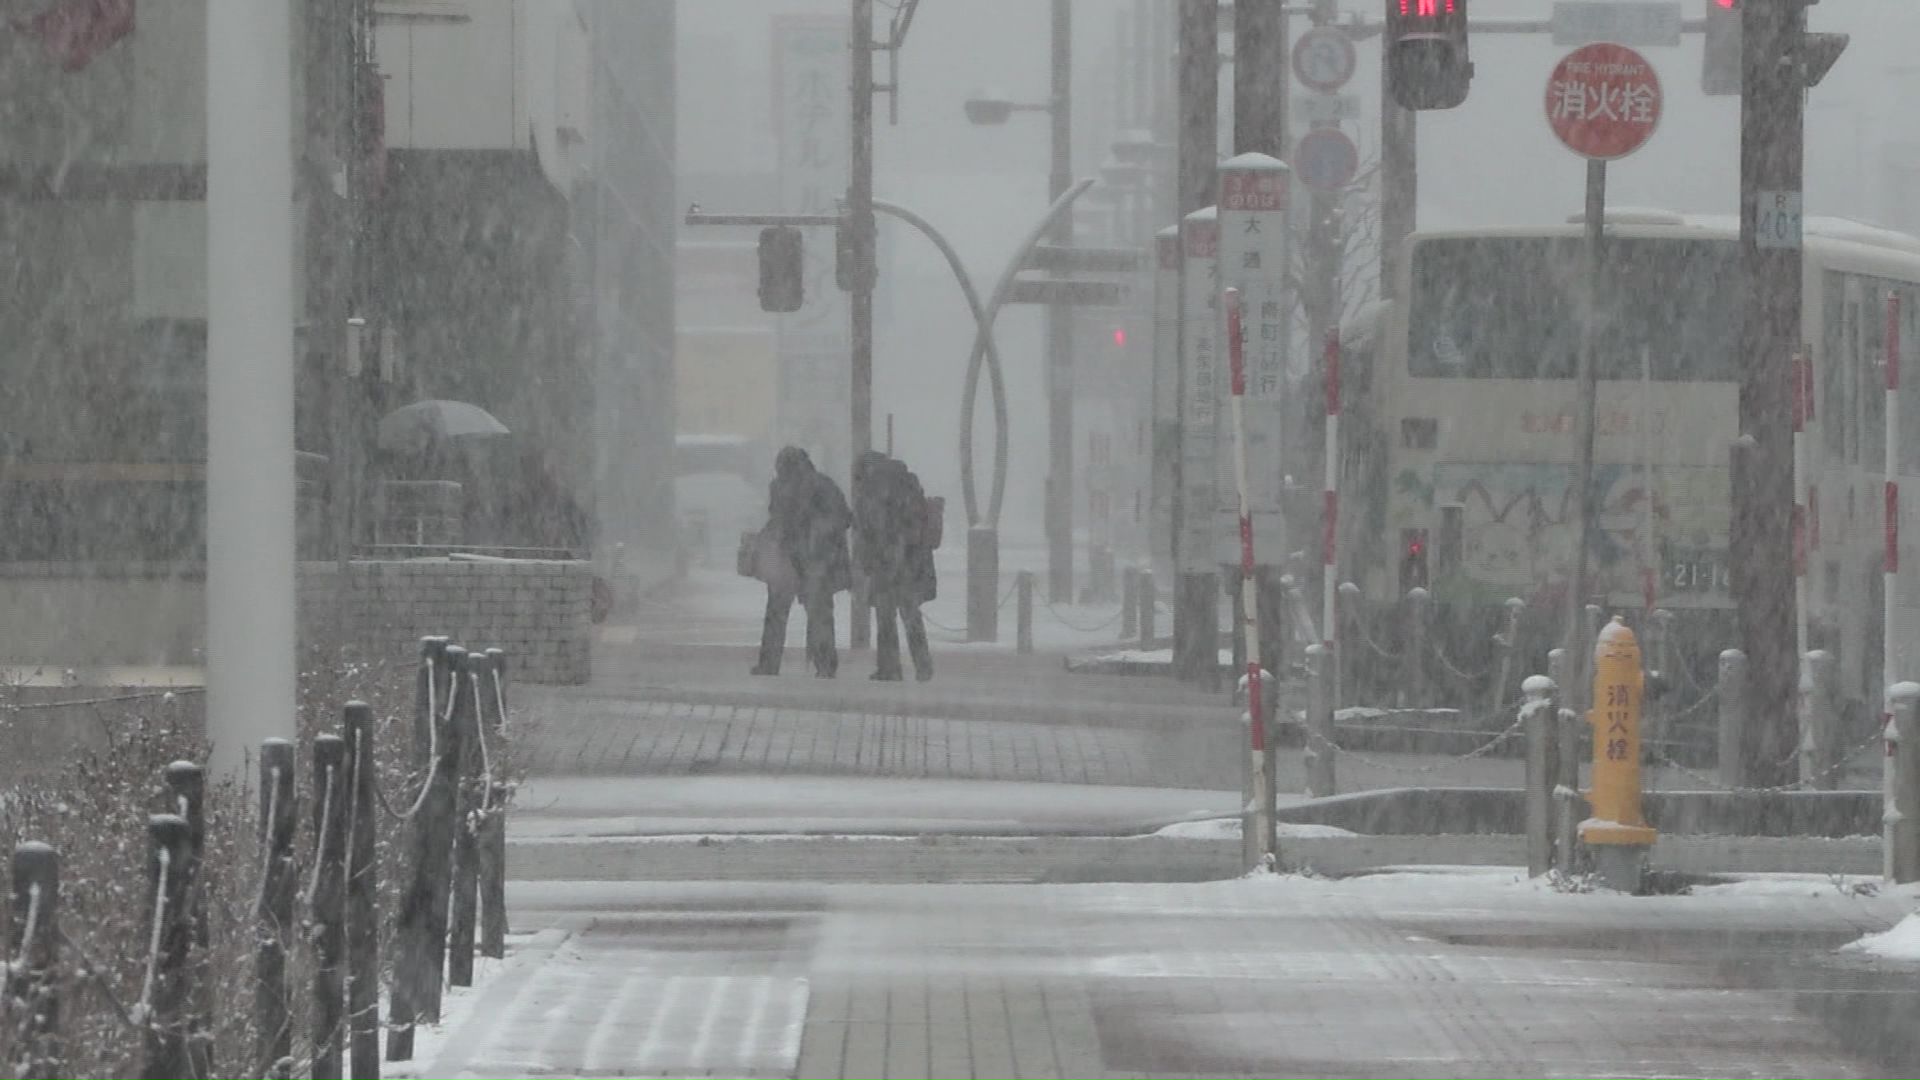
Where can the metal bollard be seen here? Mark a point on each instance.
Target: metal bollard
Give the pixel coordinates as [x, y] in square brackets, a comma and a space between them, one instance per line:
[171, 930]
[1568, 729]
[1617, 835]
[1507, 642]
[1023, 630]
[1414, 672]
[1321, 754]
[328, 903]
[1347, 613]
[1819, 714]
[188, 783]
[493, 839]
[272, 1012]
[1654, 726]
[1149, 609]
[1129, 603]
[1257, 788]
[469, 795]
[363, 884]
[34, 943]
[1900, 818]
[1730, 689]
[1540, 711]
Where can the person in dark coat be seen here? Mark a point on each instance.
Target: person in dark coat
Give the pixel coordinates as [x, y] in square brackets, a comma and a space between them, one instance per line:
[807, 520]
[890, 542]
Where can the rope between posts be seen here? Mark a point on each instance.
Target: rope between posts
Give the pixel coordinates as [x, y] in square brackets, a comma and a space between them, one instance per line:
[153, 944]
[1366, 638]
[26, 944]
[1096, 628]
[1454, 670]
[326, 825]
[34, 706]
[433, 756]
[1414, 770]
[1844, 762]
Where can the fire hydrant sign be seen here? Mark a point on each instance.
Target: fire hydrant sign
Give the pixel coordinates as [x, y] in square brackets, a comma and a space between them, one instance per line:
[1253, 254]
[1604, 101]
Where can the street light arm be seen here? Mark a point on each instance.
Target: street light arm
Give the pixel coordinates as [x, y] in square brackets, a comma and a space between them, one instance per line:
[981, 345]
[983, 330]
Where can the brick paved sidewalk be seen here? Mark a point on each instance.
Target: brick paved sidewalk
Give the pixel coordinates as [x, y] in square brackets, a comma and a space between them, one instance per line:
[1425, 977]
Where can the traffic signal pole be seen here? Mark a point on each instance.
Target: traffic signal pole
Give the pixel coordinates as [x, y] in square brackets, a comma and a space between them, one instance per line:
[1196, 613]
[1261, 44]
[1399, 177]
[1772, 152]
[861, 222]
[1060, 478]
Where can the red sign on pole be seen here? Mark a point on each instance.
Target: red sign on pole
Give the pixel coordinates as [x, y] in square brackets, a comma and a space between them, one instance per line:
[1603, 101]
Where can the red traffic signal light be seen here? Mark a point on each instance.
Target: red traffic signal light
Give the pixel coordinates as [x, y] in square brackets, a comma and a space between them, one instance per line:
[1426, 53]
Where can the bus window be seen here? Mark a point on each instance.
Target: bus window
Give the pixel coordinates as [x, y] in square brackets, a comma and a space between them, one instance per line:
[1873, 375]
[1510, 308]
[1909, 379]
[1829, 408]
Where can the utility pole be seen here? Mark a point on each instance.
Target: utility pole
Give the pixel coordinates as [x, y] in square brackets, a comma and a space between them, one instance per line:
[1196, 612]
[1060, 484]
[251, 670]
[1772, 151]
[860, 221]
[1261, 44]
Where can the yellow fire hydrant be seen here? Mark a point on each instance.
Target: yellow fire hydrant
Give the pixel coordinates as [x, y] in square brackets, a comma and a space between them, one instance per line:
[1616, 832]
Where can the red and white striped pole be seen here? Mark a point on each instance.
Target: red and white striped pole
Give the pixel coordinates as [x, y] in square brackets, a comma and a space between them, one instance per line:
[1261, 820]
[1800, 551]
[1330, 507]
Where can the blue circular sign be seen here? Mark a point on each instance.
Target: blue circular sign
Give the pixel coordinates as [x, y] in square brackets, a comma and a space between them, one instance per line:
[1326, 160]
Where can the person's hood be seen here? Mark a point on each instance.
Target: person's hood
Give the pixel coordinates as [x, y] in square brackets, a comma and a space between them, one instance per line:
[791, 462]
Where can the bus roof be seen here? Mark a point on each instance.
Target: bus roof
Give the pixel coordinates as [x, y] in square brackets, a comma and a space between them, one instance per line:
[1831, 233]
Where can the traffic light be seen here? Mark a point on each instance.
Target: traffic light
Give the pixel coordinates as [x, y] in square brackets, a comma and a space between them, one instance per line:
[1413, 559]
[1720, 63]
[782, 284]
[1426, 43]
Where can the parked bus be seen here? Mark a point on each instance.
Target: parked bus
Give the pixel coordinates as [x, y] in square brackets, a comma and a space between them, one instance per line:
[1475, 398]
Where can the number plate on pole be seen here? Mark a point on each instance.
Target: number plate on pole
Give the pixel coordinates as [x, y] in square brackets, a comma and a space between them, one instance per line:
[1777, 219]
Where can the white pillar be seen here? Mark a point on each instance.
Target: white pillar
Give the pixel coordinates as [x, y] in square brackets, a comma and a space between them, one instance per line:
[250, 553]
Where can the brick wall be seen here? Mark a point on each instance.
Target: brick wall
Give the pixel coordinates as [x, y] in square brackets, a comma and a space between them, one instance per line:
[536, 610]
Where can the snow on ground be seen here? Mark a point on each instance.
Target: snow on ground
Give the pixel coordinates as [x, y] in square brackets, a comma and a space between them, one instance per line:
[714, 594]
[1228, 828]
[457, 1002]
[1900, 943]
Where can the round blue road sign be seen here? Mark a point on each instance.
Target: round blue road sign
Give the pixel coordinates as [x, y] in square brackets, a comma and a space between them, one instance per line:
[1326, 160]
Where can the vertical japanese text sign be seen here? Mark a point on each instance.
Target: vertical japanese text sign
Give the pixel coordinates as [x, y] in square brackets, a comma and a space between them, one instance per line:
[1253, 258]
[1203, 387]
[1166, 394]
[812, 116]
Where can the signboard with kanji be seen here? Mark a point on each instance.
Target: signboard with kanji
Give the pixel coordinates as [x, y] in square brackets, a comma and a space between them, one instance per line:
[1202, 379]
[1603, 101]
[1253, 256]
[812, 116]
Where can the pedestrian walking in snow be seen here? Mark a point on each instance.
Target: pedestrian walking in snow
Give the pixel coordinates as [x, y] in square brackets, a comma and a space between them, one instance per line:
[893, 541]
[802, 555]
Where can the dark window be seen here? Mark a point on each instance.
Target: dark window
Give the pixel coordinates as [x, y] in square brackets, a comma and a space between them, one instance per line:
[1498, 308]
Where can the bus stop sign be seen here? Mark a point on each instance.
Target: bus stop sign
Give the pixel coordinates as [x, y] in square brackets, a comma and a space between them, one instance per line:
[1603, 101]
